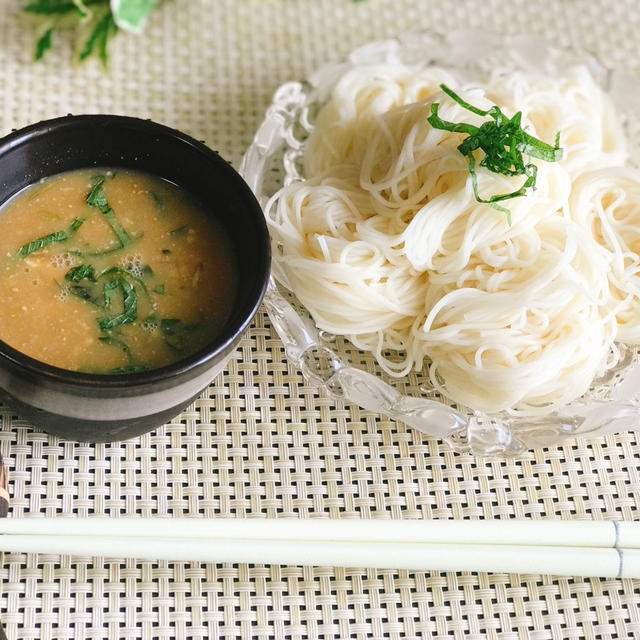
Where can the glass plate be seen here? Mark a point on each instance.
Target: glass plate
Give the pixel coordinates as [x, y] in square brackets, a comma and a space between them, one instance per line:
[341, 370]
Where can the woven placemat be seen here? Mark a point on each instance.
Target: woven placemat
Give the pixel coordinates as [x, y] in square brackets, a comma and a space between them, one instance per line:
[260, 442]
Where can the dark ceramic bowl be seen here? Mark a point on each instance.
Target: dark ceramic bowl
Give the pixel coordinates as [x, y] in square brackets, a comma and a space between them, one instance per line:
[103, 408]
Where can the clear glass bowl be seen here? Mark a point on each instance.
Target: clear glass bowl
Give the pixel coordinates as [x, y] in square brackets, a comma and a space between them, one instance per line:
[341, 370]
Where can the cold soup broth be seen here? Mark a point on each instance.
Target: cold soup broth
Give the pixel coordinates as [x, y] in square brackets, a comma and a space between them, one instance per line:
[111, 271]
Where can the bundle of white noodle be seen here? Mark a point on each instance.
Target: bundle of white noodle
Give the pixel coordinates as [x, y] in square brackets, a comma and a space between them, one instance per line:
[385, 243]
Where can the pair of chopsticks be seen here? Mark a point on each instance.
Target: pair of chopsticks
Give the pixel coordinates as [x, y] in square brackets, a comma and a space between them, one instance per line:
[564, 548]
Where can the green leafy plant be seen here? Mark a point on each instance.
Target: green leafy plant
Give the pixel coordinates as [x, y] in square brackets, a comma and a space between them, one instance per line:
[95, 21]
[503, 142]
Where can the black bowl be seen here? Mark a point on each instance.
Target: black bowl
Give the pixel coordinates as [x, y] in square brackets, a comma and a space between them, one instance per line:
[104, 408]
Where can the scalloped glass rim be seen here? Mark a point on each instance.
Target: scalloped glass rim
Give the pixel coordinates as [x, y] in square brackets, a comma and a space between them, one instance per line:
[273, 159]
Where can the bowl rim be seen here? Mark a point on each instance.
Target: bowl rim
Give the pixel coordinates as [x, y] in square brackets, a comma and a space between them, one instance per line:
[212, 349]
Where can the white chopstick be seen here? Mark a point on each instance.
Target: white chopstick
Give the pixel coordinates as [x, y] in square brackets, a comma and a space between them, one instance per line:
[578, 548]
[565, 561]
[572, 533]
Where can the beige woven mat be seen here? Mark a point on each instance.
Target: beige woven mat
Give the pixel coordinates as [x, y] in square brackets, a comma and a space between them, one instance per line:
[260, 442]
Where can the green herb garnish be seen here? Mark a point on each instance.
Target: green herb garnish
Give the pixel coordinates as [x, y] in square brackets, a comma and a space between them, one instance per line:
[108, 290]
[76, 274]
[116, 341]
[121, 271]
[159, 289]
[158, 201]
[180, 231]
[177, 334]
[87, 294]
[503, 142]
[52, 238]
[131, 368]
[129, 304]
[100, 252]
[98, 199]
[112, 277]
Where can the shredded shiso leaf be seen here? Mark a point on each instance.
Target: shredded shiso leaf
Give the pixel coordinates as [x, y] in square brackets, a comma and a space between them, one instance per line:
[503, 142]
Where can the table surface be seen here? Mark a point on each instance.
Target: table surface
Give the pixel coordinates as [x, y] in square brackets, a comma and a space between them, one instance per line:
[260, 442]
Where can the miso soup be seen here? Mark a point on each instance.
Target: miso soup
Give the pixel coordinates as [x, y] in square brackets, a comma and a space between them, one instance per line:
[111, 271]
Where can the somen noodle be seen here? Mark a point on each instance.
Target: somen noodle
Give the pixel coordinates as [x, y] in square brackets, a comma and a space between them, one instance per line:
[385, 243]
